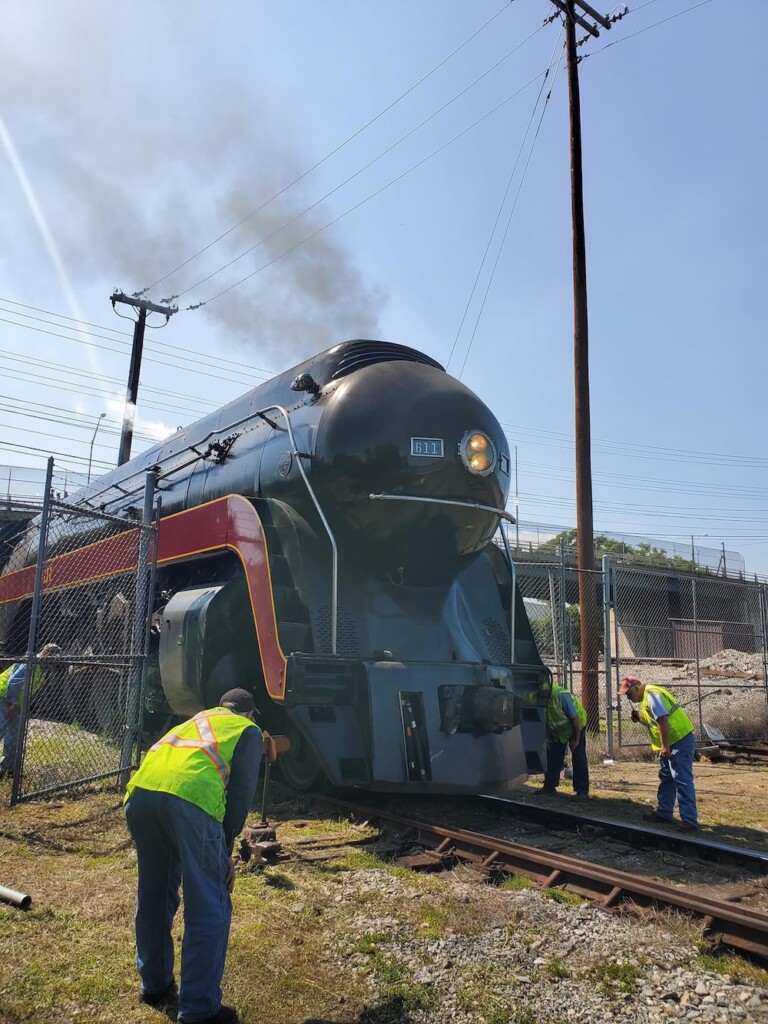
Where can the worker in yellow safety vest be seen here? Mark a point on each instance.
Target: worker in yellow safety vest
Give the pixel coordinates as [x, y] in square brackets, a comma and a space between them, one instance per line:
[11, 696]
[673, 739]
[566, 719]
[184, 808]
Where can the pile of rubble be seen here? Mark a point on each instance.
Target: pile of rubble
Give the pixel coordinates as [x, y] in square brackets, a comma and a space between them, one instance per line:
[731, 665]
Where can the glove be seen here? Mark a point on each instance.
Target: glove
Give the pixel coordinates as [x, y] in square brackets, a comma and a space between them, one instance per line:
[635, 715]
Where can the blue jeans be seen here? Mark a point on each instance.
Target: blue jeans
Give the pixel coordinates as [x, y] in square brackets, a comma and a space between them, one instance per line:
[9, 728]
[177, 842]
[676, 781]
[555, 758]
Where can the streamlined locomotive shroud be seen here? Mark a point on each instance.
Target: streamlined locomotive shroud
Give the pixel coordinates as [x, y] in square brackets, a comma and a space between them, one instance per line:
[327, 542]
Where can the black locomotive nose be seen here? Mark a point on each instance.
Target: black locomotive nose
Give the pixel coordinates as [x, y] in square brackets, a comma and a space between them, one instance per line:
[414, 437]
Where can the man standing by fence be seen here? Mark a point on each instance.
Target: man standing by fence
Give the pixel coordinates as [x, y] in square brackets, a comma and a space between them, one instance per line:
[673, 739]
[11, 695]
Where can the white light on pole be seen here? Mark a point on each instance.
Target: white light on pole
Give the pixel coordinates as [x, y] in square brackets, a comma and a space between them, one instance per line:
[93, 441]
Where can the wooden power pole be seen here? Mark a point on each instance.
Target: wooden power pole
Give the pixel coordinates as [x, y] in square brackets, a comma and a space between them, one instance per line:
[590, 694]
[144, 306]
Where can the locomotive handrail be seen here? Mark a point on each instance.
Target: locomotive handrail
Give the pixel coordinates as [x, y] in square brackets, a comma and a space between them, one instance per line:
[483, 508]
[335, 554]
[444, 501]
[297, 455]
[513, 594]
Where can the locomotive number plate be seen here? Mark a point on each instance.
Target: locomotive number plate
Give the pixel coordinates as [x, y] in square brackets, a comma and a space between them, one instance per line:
[430, 446]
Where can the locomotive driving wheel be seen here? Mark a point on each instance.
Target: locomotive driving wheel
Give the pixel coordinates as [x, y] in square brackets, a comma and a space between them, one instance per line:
[299, 766]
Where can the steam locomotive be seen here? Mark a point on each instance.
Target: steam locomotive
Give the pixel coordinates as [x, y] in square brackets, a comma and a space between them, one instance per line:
[327, 542]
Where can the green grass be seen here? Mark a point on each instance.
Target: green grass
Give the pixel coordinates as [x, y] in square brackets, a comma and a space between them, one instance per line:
[556, 968]
[615, 977]
[370, 942]
[412, 997]
[519, 1015]
[570, 899]
[433, 921]
[515, 882]
[743, 972]
[386, 968]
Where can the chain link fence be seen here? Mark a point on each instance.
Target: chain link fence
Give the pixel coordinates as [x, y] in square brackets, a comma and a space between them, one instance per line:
[700, 636]
[74, 607]
[553, 595]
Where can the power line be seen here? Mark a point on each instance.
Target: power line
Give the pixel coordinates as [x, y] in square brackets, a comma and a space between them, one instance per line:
[162, 363]
[347, 180]
[373, 195]
[156, 343]
[727, 458]
[42, 412]
[639, 32]
[331, 153]
[87, 389]
[15, 445]
[512, 211]
[501, 208]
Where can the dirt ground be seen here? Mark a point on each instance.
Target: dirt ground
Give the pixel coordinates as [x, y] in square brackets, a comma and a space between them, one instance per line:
[732, 797]
[71, 956]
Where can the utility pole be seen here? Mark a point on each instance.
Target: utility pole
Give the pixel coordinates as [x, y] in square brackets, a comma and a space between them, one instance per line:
[144, 306]
[590, 692]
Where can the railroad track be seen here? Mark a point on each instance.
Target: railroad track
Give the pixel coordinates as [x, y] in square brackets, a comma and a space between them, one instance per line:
[688, 844]
[724, 921]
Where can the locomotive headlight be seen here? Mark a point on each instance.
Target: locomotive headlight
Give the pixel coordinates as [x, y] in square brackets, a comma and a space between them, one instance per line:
[477, 452]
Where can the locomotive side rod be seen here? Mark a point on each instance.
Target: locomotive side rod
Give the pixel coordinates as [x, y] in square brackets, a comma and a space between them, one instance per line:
[739, 927]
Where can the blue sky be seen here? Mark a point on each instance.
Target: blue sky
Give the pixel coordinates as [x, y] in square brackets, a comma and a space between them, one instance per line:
[134, 134]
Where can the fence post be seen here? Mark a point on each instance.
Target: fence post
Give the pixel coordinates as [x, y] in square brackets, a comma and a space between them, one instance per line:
[607, 653]
[566, 644]
[554, 606]
[764, 629]
[34, 622]
[696, 650]
[617, 649]
[140, 617]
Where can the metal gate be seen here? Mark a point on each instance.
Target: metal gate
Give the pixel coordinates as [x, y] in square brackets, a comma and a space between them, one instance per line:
[86, 602]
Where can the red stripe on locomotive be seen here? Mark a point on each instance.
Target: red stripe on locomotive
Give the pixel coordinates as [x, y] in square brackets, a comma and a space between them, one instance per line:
[230, 523]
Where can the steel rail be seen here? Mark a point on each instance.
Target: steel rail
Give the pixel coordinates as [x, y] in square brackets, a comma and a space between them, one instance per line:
[636, 835]
[741, 928]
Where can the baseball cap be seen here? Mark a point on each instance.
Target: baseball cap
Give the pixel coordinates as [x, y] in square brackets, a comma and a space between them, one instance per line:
[627, 683]
[238, 700]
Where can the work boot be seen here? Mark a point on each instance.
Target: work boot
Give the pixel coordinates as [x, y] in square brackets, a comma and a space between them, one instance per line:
[225, 1015]
[547, 791]
[687, 826]
[657, 818]
[580, 796]
[166, 997]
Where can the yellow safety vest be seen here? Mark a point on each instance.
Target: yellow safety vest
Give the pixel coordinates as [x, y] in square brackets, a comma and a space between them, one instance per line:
[193, 761]
[558, 723]
[679, 723]
[5, 679]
